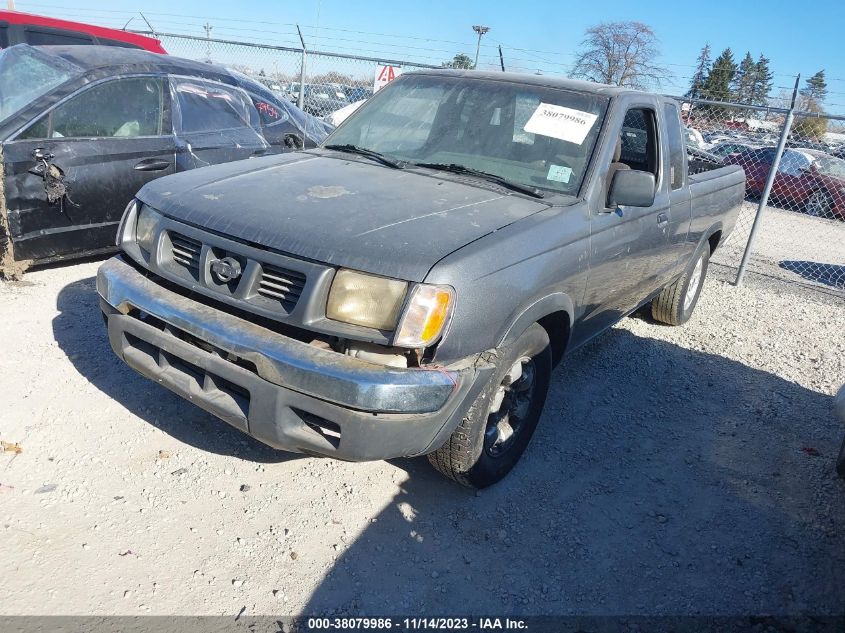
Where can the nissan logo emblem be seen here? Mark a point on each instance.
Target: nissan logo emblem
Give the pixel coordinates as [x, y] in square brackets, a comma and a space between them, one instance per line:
[226, 269]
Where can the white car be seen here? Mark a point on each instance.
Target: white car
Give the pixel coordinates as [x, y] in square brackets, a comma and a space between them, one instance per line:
[339, 116]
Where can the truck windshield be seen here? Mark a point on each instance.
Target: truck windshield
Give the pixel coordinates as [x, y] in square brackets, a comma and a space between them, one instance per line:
[536, 136]
[27, 73]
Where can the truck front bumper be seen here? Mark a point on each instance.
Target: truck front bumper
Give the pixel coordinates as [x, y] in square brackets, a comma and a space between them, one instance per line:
[284, 392]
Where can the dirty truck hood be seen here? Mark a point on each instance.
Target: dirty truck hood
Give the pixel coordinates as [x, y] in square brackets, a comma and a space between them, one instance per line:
[349, 213]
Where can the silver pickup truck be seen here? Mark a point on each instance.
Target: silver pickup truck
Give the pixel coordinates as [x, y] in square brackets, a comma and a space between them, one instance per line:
[407, 287]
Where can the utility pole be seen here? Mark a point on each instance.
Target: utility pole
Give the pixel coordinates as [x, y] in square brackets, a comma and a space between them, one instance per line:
[10, 4]
[207, 28]
[481, 30]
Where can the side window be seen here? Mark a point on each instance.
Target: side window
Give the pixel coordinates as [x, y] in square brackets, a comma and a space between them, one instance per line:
[48, 37]
[120, 108]
[676, 145]
[4, 36]
[793, 163]
[268, 113]
[639, 140]
[206, 106]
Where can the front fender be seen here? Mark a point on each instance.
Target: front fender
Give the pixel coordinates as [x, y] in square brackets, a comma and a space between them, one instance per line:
[555, 302]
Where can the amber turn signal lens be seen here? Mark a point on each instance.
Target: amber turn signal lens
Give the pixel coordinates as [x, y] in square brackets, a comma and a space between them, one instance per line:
[425, 317]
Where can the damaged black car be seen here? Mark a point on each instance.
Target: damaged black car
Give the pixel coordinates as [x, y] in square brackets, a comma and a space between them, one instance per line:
[83, 128]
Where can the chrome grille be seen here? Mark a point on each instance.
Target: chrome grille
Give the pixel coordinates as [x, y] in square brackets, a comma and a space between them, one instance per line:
[279, 284]
[186, 251]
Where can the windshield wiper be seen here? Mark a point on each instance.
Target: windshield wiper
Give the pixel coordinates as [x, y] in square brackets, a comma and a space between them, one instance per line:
[499, 180]
[369, 153]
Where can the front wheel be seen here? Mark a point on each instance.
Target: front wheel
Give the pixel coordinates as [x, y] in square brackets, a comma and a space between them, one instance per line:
[675, 303]
[499, 424]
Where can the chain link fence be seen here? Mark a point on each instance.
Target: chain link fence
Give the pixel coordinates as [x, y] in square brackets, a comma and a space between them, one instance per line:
[331, 81]
[795, 188]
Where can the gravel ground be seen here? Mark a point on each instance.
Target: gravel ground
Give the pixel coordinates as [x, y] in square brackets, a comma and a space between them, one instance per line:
[675, 471]
[791, 245]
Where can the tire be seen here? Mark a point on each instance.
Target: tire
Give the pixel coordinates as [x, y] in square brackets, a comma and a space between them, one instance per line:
[480, 452]
[675, 304]
[819, 204]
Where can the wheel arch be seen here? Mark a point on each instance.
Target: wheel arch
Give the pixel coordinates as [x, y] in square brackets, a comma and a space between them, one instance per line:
[554, 313]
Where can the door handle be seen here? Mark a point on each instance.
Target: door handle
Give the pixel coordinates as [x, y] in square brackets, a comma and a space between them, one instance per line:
[662, 219]
[152, 164]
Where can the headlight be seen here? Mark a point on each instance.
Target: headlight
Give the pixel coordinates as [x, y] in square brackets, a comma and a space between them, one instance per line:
[145, 227]
[425, 317]
[366, 300]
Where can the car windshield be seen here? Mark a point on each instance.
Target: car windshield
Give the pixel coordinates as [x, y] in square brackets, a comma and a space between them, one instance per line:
[537, 136]
[27, 73]
[830, 166]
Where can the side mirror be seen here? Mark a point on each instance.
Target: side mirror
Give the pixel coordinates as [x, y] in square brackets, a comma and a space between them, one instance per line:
[294, 141]
[631, 188]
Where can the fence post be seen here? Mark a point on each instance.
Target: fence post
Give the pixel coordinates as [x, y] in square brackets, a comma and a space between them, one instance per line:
[767, 190]
[301, 97]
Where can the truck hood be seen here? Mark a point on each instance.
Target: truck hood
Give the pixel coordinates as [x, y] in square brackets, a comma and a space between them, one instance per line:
[344, 212]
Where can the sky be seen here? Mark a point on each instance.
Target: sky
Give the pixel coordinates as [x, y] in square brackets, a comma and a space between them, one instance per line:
[540, 35]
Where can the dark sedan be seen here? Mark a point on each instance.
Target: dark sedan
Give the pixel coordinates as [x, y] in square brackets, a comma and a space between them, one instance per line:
[83, 128]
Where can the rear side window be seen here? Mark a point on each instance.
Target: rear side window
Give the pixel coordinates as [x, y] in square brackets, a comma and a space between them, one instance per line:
[639, 140]
[269, 113]
[793, 163]
[206, 106]
[49, 37]
[676, 146]
[115, 109]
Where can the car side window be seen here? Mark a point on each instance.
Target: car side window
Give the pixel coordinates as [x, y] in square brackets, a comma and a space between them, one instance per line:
[115, 109]
[639, 140]
[4, 36]
[48, 37]
[793, 163]
[207, 106]
[675, 144]
[268, 113]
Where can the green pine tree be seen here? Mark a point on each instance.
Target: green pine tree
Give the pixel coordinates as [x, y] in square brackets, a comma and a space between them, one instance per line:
[702, 68]
[742, 85]
[815, 88]
[762, 85]
[717, 86]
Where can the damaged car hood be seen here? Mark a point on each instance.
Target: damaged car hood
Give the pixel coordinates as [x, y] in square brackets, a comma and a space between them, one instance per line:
[343, 212]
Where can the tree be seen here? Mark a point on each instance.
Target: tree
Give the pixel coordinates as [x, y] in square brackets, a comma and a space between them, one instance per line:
[620, 54]
[717, 86]
[810, 127]
[702, 68]
[459, 61]
[762, 85]
[815, 88]
[742, 86]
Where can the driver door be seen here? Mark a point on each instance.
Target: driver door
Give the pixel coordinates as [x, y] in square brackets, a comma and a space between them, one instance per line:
[70, 175]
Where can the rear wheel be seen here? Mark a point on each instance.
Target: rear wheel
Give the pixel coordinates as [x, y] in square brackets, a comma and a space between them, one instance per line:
[498, 426]
[820, 204]
[675, 304]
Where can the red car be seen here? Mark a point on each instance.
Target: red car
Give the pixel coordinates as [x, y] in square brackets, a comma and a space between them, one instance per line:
[37, 30]
[807, 180]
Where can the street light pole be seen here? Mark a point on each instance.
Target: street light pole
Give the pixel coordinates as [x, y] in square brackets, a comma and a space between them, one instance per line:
[481, 30]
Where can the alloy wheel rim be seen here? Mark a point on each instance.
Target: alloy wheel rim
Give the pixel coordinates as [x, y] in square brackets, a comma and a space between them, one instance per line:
[510, 407]
[817, 205]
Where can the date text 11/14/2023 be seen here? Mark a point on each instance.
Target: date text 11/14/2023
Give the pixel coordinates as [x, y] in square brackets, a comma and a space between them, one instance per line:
[415, 624]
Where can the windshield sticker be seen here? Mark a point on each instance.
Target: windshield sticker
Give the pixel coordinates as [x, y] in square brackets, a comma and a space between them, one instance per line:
[559, 173]
[559, 122]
